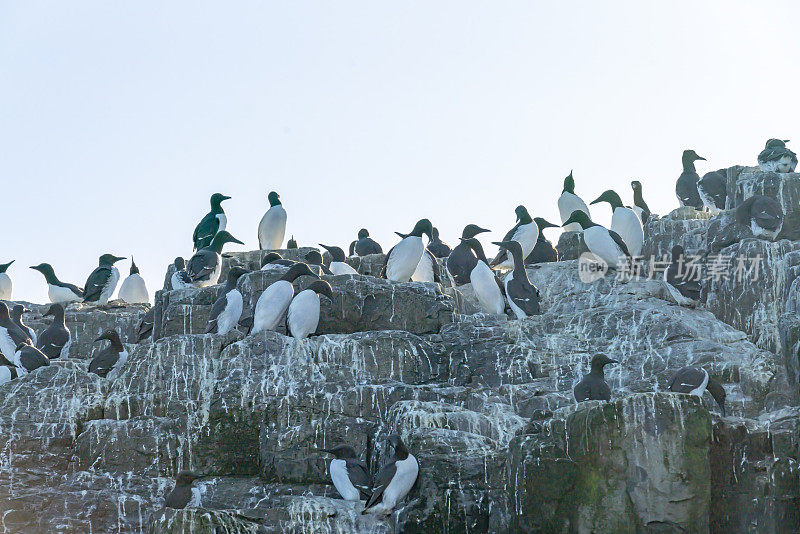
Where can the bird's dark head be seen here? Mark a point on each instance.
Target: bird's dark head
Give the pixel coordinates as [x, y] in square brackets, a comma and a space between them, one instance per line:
[434, 234]
[341, 452]
[185, 478]
[542, 224]
[423, 226]
[471, 230]
[313, 257]
[274, 198]
[291, 243]
[776, 143]
[180, 263]
[718, 392]
[523, 217]
[17, 311]
[396, 443]
[297, 270]
[569, 184]
[601, 360]
[321, 287]
[476, 247]
[236, 272]
[4, 313]
[134, 268]
[270, 257]
[4, 266]
[580, 217]
[363, 233]
[54, 310]
[609, 196]
[512, 246]
[44, 268]
[337, 254]
[110, 259]
[636, 185]
[690, 156]
[110, 335]
[216, 201]
[221, 238]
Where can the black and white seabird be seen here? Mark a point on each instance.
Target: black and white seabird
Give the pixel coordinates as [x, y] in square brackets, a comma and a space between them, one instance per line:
[543, 251]
[180, 278]
[484, 281]
[108, 363]
[522, 296]
[214, 221]
[16, 315]
[27, 358]
[6, 285]
[349, 475]
[568, 203]
[713, 191]
[394, 480]
[776, 157]
[205, 266]
[314, 258]
[274, 301]
[603, 243]
[133, 289]
[593, 386]
[227, 310]
[694, 381]
[272, 227]
[145, 327]
[763, 215]
[11, 335]
[58, 291]
[291, 243]
[365, 245]
[302, 318]
[525, 232]
[338, 265]
[402, 260]
[686, 186]
[437, 247]
[428, 267]
[639, 205]
[183, 494]
[625, 222]
[54, 342]
[462, 259]
[103, 281]
[273, 258]
[683, 282]
[7, 372]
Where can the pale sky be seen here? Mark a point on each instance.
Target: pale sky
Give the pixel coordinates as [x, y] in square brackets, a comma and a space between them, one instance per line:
[119, 120]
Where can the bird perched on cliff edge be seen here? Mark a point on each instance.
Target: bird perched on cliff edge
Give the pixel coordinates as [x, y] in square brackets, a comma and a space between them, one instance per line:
[205, 266]
[103, 281]
[56, 339]
[58, 291]
[109, 361]
[624, 221]
[686, 186]
[133, 289]
[227, 310]
[694, 381]
[272, 228]
[462, 259]
[16, 315]
[394, 480]
[183, 494]
[402, 260]
[525, 232]
[6, 285]
[349, 475]
[568, 203]
[213, 222]
[593, 386]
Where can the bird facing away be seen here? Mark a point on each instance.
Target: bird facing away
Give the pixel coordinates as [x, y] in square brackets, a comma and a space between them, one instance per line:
[349, 474]
[543, 251]
[625, 222]
[777, 157]
[58, 291]
[763, 215]
[686, 186]
[103, 281]
[402, 260]
[365, 245]
[682, 280]
[437, 247]
[274, 301]
[6, 285]
[213, 222]
[227, 310]
[603, 243]
[206, 264]
[639, 205]
[521, 295]
[291, 243]
[314, 258]
[133, 289]
[694, 381]
[462, 259]
[145, 327]
[183, 494]
[568, 203]
[394, 480]
[593, 386]
[302, 317]
[108, 363]
[525, 232]
[55, 341]
[272, 228]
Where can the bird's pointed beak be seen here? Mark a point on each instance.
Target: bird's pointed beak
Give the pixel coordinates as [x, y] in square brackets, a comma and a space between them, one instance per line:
[482, 230]
[612, 361]
[701, 158]
[234, 240]
[101, 338]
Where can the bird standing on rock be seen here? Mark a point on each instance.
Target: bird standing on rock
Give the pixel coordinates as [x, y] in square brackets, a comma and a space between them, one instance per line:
[338, 265]
[227, 310]
[11, 335]
[694, 381]
[365, 245]
[686, 186]
[28, 358]
[302, 317]
[402, 260]
[762, 214]
[108, 363]
[776, 157]
[16, 316]
[624, 222]
[272, 228]
[484, 281]
[183, 494]
[214, 221]
[349, 475]
[593, 386]
[205, 266]
[525, 232]
[103, 281]
[568, 203]
[639, 205]
[712, 189]
[274, 301]
[314, 258]
[133, 289]
[180, 279]
[543, 251]
[462, 259]
[394, 480]
[603, 243]
[437, 247]
[6, 285]
[522, 296]
[55, 341]
[58, 291]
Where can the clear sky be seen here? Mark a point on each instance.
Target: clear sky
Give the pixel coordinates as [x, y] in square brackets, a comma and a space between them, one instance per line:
[119, 120]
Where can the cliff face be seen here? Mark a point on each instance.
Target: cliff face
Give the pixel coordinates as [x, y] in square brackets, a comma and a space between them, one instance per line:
[485, 403]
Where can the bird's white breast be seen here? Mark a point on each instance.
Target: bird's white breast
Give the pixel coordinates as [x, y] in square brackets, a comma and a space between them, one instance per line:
[304, 314]
[486, 290]
[763, 232]
[567, 203]
[272, 305]
[7, 346]
[116, 369]
[177, 282]
[229, 317]
[272, 228]
[602, 245]
[5, 374]
[424, 270]
[133, 290]
[340, 267]
[401, 483]
[698, 391]
[6, 286]
[223, 221]
[404, 258]
[111, 285]
[58, 294]
[628, 225]
[342, 482]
